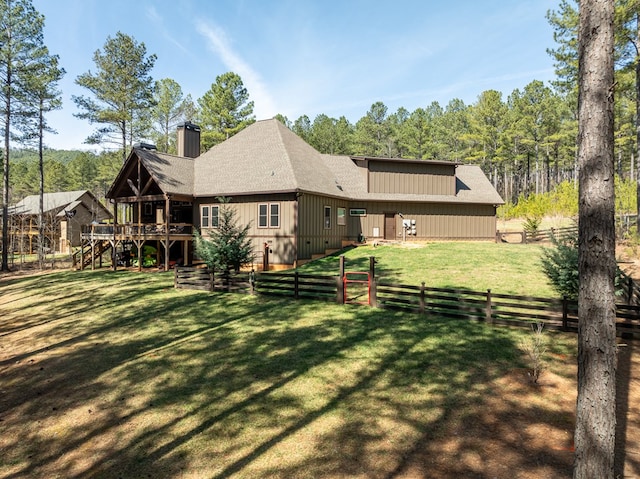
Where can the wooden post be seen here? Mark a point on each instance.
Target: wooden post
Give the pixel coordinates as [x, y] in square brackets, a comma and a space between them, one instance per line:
[373, 295]
[565, 313]
[422, 305]
[114, 259]
[340, 282]
[296, 285]
[372, 267]
[488, 315]
[252, 281]
[167, 218]
[211, 280]
[175, 277]
[629, 290]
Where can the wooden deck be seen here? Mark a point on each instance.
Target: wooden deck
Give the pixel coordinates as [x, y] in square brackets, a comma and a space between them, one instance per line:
[138, 232]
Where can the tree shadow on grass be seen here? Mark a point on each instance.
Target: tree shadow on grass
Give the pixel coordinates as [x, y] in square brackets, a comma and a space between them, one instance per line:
[221, 385]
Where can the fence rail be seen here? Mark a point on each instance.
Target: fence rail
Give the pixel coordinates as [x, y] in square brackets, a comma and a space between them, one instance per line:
[486, 306]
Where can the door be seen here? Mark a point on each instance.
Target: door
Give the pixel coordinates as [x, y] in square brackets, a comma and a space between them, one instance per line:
[389, 226]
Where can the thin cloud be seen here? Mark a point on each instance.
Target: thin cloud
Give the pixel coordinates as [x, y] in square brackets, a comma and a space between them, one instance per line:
[219, 44]
[158, 21]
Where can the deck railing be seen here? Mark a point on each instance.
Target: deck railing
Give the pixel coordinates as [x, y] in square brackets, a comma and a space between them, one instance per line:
[130, 231]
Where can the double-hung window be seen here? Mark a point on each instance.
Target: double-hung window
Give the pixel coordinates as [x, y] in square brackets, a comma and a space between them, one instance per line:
[209, 216]
[269, 215]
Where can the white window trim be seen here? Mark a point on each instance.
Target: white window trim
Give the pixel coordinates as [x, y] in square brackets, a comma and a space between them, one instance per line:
[268, 215]
[210, 216]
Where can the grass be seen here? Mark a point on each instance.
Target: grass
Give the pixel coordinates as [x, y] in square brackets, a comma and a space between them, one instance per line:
[107, 375]
[478, 266]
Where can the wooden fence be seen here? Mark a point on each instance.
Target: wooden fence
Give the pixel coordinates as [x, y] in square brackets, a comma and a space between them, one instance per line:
[486, 306]
[190, 277]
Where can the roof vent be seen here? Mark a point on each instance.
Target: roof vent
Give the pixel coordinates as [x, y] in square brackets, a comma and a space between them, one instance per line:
[145, 146]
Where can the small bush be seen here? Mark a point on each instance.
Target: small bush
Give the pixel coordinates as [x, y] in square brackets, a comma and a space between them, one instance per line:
[535, 347]
[531, 225]
[560, 264]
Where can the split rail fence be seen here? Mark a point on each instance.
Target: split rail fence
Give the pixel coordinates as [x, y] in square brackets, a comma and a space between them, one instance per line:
[486, 306]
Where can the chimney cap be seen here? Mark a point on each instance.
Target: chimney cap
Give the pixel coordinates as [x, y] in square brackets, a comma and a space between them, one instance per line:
[189, 126]
[145, 146]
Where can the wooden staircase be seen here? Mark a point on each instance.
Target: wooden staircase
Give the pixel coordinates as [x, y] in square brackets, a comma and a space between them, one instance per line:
[99, 248]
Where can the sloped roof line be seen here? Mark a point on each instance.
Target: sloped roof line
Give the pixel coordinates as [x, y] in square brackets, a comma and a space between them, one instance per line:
[31, 204]
[267, 157]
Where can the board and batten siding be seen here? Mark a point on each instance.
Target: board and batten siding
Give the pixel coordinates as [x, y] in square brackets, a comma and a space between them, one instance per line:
[281, 239]
[412, 178]
[313, 237]
[433, 220]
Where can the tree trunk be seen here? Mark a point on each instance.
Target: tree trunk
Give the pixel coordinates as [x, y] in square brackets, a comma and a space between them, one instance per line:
[597, 353]
[41, 203]
[5, 184]
[637, 44]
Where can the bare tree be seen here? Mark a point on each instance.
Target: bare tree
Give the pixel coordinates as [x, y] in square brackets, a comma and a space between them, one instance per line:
[597, 351]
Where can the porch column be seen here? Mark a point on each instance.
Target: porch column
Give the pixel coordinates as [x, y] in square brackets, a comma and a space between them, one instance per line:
[167, 217]
[114, 256]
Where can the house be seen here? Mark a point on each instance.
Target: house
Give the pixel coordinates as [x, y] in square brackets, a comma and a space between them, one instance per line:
[299, 203]
[64, 213]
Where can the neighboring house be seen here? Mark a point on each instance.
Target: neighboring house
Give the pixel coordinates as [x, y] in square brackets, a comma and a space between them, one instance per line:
[298, 202]
[64, 214]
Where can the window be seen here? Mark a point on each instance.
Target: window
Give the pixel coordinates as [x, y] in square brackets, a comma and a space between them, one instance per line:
[342, 216]
[209, 216]
[357, 212]
[204, 217]
[269, 215]
[214, 216]
[274, 215]
[327, 217]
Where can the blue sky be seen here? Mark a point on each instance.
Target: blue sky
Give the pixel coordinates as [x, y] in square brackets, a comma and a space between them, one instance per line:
[297, 57]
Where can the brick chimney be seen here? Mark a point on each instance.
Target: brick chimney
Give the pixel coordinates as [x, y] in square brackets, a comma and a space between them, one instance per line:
[188, 143]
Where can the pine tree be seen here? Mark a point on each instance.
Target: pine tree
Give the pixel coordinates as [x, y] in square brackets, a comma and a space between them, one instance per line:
[122, 92]
[224, 110]
[597, 353]
[228, 247]
[21, 50]
[171, 107]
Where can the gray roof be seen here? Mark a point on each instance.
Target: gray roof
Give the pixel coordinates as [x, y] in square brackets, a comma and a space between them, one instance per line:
[267, 157]
[173, 174]
[30, 205]
[264, 157]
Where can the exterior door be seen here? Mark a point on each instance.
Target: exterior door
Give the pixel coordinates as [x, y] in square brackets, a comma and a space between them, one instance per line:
[389, 226]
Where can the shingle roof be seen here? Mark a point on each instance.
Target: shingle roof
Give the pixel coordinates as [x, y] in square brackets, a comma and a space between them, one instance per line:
[30, 205]
[264, 157]
[267, 157]
[173, 174]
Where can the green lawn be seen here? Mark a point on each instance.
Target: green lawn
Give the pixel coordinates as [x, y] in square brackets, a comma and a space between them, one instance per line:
[503, 268]
[107, 375]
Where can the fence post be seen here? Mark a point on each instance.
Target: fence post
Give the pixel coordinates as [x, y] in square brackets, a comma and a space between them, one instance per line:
[372, 267]
[565, 313]
[422, 308]
[340, 289]
[488, 315]
[211, 280]
[629, 290]
[373, 295]
[252, 282]
[175, 277]
[296, 285]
